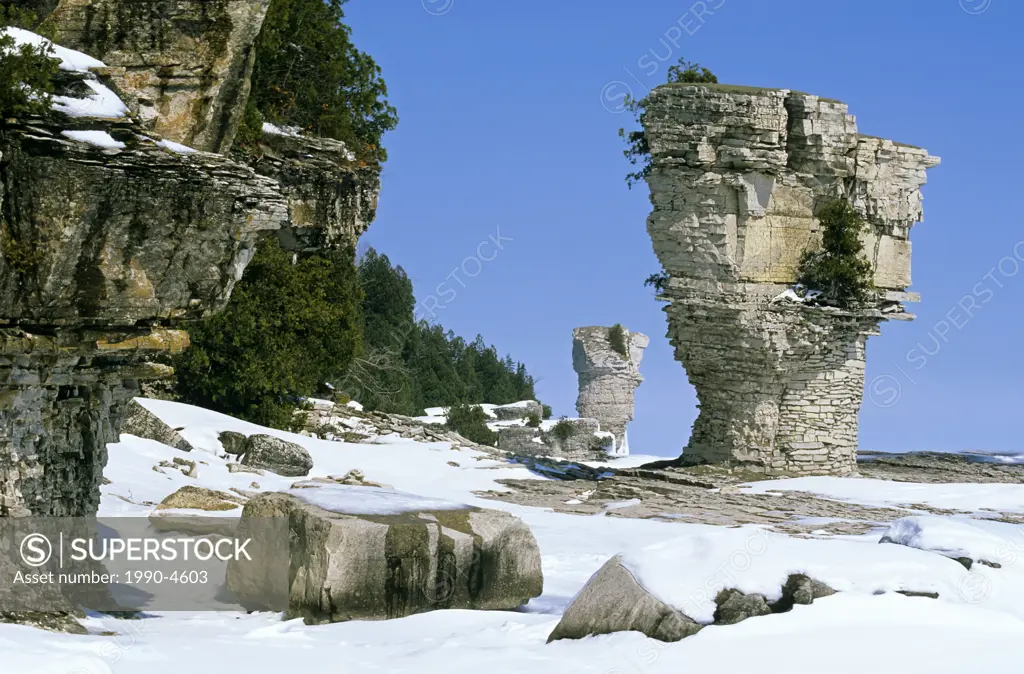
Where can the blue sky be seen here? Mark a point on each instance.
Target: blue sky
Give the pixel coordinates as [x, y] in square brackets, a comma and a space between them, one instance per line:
[509, 129]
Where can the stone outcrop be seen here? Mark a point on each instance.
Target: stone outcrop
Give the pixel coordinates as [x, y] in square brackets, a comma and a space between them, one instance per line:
[573, 439]
[607, 378]
[113, 238]
[142, 423]
[276, 455]
[520, 410]
[332, 198]
[183, 66]
[737, 176]
[365, 553]
[102, 247]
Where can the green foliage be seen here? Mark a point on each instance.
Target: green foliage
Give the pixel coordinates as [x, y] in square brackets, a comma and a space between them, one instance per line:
[547, 411]
[406, 365]
[658, 281]
[617, 340]
[308, 74]
[470, 421]
[533, 420]
[26, 72]
[638, 150]
[288, 327]
[563, 429]
[839, 269]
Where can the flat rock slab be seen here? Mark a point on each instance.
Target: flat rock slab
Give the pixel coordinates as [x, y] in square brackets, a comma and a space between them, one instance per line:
[365, 553]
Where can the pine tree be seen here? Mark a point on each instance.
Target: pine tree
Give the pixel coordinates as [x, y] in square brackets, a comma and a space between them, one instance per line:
[288, 328]
[839, 269]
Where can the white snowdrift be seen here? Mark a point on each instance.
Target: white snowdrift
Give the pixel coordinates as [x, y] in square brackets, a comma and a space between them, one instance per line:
[98, 138]
[995, 542]
[687, 572]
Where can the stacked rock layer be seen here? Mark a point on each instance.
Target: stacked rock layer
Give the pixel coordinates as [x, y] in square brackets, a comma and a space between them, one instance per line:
[607, 378]
[737, 177]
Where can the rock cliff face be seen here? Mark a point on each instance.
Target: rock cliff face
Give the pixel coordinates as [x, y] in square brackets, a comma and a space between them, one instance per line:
[112, 239]
[607, 378]
[332, 198]
[737, 176]
[183, 65]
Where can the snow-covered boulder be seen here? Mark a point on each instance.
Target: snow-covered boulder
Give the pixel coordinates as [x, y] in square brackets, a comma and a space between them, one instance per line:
[519, 410]
[276, 455]
[369, 553]
[967, 541]
[670, 589]
[142, 423]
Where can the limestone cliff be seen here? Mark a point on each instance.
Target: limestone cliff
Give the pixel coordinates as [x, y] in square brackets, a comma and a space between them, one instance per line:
[183, 65]
[111, 240]
[737, 175]
[607, 378]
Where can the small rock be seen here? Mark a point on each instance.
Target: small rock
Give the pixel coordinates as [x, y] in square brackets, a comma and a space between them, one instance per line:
[735, 606]
[232, 442]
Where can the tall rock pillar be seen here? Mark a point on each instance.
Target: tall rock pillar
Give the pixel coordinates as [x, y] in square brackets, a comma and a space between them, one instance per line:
[738, 175]
[607, 376]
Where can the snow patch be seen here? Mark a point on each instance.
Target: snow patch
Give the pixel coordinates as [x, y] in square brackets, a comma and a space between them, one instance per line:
[356, 500]
[96, 138]
[177, 148]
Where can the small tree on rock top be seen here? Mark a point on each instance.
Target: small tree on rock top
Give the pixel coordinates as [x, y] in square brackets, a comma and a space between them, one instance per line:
[838, 269]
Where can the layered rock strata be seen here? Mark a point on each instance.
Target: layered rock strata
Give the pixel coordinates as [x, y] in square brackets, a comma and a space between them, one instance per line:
[607, 377]
[110, 238]
[332, 197]
[737, 177]
[183, 66]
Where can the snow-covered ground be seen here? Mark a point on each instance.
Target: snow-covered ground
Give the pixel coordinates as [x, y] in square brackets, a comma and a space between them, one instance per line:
[972, 626]
[970, 498]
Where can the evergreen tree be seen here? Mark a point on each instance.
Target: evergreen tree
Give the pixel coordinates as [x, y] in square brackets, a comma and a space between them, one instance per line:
[839, 269]
[289, 327]
[308, 74]
[639, 151]
[26, 72]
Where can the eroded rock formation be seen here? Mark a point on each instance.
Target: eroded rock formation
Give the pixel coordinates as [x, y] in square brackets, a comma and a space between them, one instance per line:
[737, 175]
[183, 66]
[607, 378]
[102, 247]
[113, 239]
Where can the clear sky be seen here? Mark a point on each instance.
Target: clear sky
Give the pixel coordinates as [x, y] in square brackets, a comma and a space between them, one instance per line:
[509, 118]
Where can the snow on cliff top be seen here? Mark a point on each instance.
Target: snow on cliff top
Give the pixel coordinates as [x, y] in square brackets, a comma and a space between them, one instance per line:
[102, 103]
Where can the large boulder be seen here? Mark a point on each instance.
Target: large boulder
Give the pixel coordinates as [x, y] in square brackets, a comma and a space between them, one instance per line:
[233, 442]
[142, 423]
[365, 553]
[613, 601]
[277, 455]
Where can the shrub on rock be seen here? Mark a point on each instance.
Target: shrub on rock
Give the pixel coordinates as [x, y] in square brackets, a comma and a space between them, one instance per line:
[470, 421]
